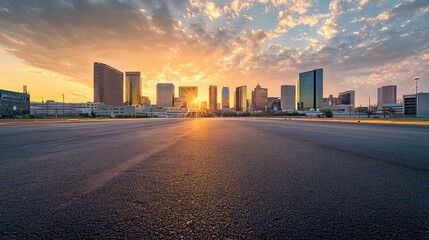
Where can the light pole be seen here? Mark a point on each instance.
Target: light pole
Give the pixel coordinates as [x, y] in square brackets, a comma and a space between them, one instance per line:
[417, 79]
[63, 104]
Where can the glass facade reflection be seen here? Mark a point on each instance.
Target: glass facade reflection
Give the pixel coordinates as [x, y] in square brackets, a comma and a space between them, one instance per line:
[310, 90]
[225, 97]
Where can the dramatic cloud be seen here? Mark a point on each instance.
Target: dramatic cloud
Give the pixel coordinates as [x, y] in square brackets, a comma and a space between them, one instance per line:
[361, 44]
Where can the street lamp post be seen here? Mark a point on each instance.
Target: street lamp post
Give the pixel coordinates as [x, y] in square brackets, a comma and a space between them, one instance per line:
[417, 79]
[63, 104]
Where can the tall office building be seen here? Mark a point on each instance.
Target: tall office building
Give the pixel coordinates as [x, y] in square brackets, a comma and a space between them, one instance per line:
[288, 97]
[241, 99]
[386, 95]
[235, 99]
[309, 92]
[225, 97]
[108, 85]
[189, 96]
[133, 88]
[213, 98]
[259, 98]
[165, 95]
[347, 97]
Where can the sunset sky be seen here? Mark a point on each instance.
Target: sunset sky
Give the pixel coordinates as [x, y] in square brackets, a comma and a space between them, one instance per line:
[50, 45]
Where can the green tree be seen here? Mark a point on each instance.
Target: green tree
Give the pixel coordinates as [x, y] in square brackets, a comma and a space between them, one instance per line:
[391, 111]
[327, 113]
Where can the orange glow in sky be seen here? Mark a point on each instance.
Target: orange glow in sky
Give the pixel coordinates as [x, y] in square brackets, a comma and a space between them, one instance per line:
[361, 45]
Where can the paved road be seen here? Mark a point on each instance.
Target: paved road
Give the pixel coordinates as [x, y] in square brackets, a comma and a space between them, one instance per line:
[214, 178]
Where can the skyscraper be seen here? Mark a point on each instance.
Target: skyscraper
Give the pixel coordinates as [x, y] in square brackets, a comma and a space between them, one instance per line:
[259, 98]
[165, 95]
[347, 97]
[133, 88]
[310, 89]
[288, 97]
[213, 98]
[108, 85]
[386, 95]
[241, 99]
[225, 97]
[189, 96]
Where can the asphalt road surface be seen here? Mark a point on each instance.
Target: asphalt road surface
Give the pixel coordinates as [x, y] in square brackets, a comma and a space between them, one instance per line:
[214, 178]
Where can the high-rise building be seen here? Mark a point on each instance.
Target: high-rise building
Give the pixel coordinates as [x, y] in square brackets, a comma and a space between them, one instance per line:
[347, 97]
[108, 85]
[133, 88]
[213, 98]
[225, 97]
[165, 95]
[189, 96]
[241, 99]
[259, 98]
[235, 99]
[309, 92]
[288, 97]
[386, 95]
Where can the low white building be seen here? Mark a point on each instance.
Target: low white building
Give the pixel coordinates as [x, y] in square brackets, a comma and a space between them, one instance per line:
[342, 108]
[115, 111]
[173, 112]
[155, 111]
[52, 108]
[89, 107]
[397, 107]
[423, 105]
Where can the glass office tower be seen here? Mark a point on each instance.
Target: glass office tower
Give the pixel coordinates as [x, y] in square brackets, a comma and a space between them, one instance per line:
[133, 88]
[310, 90]
[165, 95]
[225, 97]
[241, 99]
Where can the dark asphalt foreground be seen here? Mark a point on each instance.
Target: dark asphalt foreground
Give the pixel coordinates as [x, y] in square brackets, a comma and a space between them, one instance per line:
[214, 178]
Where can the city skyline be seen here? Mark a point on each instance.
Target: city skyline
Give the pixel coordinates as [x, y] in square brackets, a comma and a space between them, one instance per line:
[361, 45]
